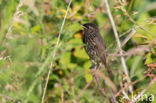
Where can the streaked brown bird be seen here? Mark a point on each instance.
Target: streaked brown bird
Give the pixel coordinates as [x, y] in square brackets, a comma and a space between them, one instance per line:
[94, 45]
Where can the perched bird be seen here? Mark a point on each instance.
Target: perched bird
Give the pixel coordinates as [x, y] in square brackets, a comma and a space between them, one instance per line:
[94, 45]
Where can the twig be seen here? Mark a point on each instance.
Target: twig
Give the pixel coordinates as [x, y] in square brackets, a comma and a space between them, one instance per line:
[88, 84]
[152, 81]
[118, 43]
[16, 15]
[118, 93]
[112, 98]
[98, 82]
[131, 19]
[47, 79]
[107, 80]
[125, 94]
[62, 96]
[133, 51]
[41, 69]
[128, 37]
[126, 32]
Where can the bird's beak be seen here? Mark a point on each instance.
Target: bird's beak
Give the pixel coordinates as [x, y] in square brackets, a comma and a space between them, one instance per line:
[83, 26]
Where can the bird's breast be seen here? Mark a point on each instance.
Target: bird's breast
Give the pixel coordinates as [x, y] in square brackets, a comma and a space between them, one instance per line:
[88, 37]
[90, 46]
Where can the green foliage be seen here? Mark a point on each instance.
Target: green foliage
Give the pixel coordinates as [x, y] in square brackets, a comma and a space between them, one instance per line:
[27, 45]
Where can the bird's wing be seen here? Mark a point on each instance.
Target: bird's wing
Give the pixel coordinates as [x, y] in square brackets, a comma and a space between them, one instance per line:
[101, 49]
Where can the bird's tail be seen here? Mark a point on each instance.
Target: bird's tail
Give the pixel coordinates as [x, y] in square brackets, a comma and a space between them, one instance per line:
[107, 66]
[109, 71]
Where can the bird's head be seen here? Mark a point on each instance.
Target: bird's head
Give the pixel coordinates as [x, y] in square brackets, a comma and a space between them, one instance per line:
[90, 28]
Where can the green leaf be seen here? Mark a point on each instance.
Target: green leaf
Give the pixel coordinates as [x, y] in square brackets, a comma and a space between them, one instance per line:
[66, 61]
[148, 58]
[88, 76]
[80, 53]
[36, 29]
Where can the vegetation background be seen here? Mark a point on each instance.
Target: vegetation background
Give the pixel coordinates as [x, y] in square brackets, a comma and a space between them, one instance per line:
[29, 31]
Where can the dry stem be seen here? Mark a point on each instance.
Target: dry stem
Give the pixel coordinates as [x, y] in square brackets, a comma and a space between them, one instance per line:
[49, 72]
[118, 44]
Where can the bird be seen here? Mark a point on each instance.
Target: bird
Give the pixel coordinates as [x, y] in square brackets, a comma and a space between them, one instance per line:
[95, 47]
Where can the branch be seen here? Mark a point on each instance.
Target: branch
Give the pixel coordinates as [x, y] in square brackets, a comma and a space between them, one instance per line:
[98, 82]
[136, 50]
[118, 93]
[118, 43]
[108, 82]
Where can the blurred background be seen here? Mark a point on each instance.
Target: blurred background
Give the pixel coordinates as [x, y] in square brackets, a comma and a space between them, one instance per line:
[29, 31]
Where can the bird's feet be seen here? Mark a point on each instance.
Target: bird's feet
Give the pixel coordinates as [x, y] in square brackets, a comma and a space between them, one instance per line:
[92, 66]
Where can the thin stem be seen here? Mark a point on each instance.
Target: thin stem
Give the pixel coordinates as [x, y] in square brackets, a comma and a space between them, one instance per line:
[128, 37]
[87, 85]
[118, 43]
[99, 84]
[15, 17]
[49, 72]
